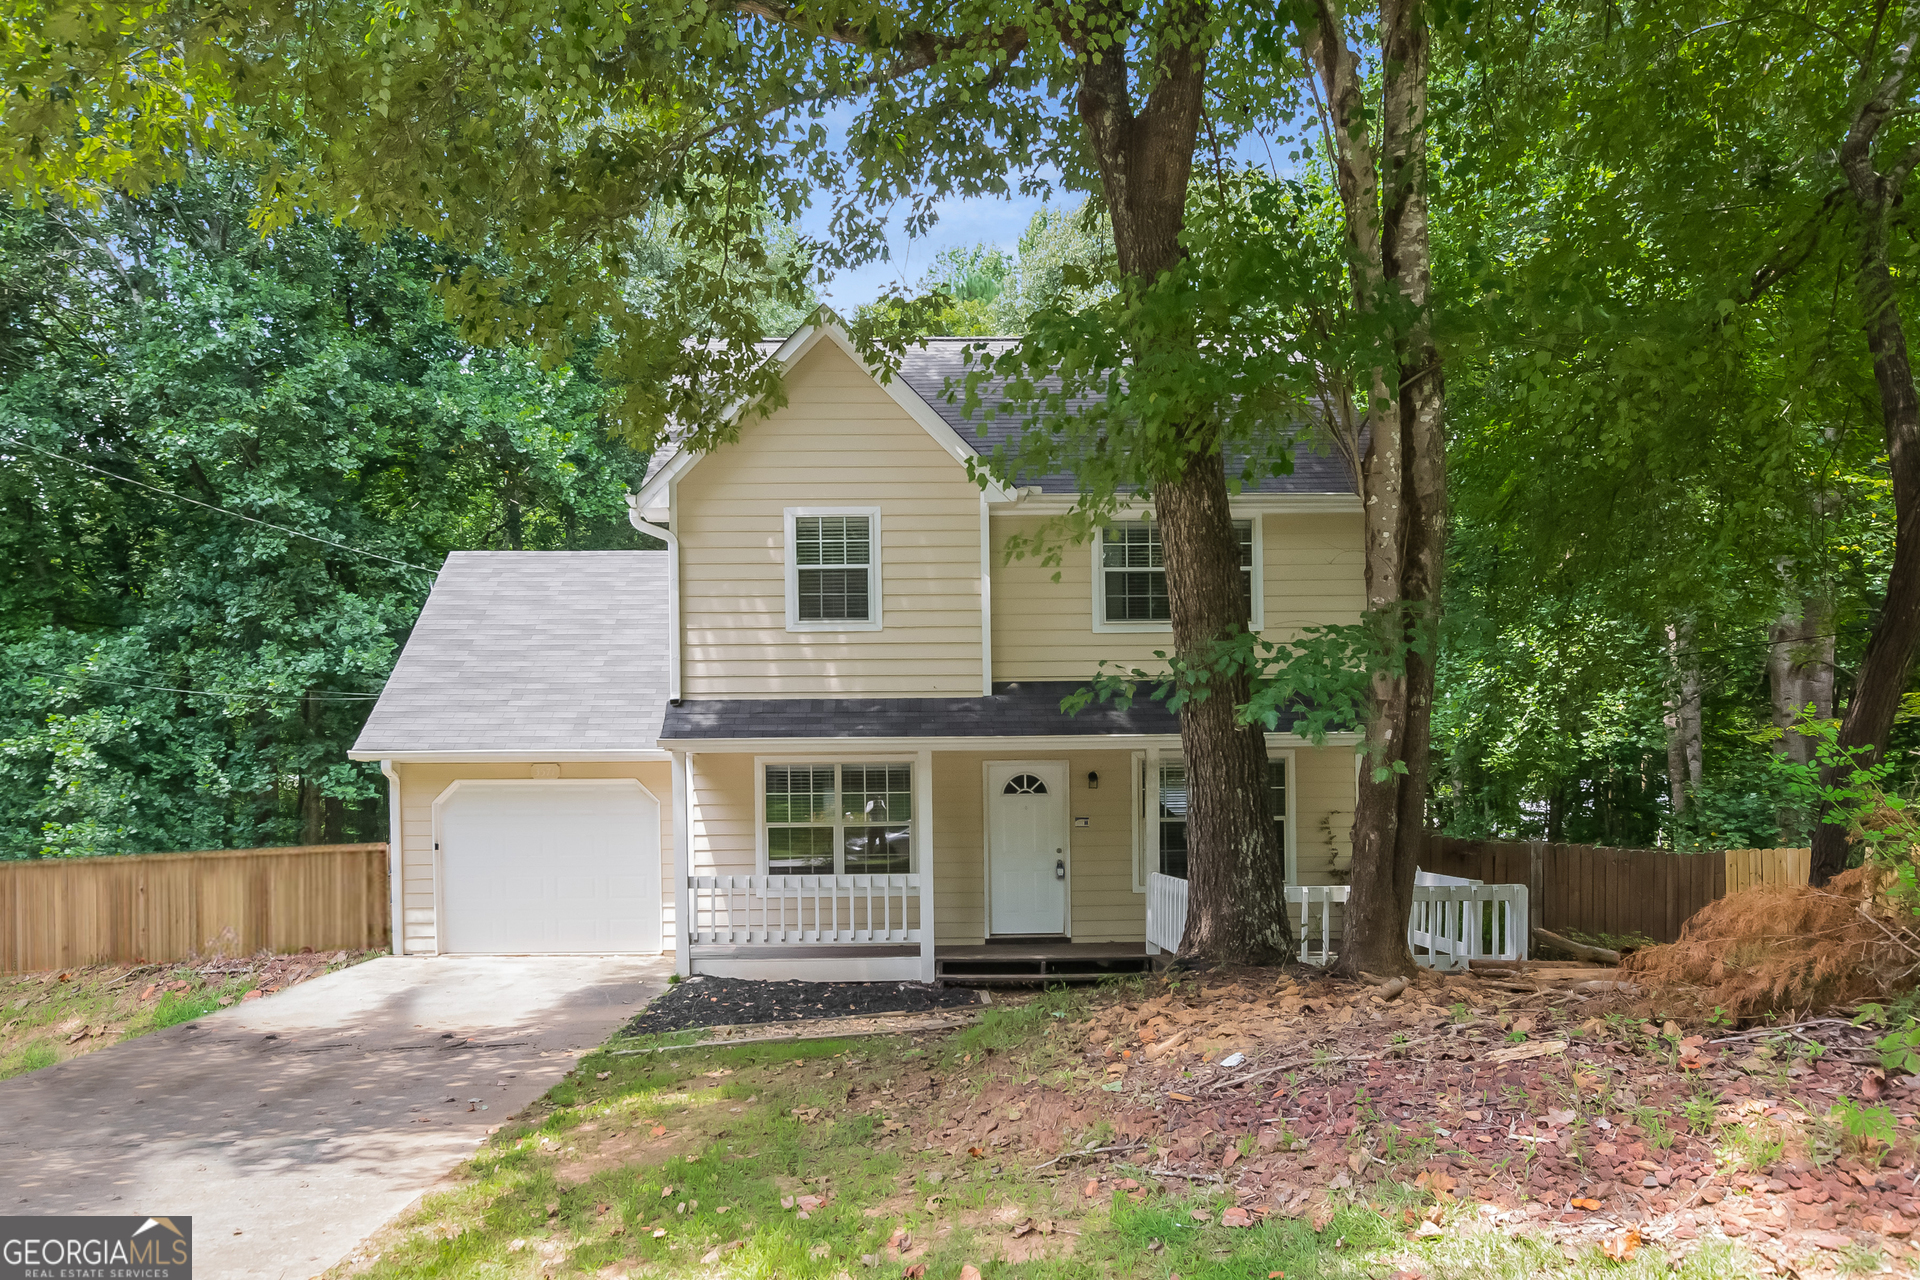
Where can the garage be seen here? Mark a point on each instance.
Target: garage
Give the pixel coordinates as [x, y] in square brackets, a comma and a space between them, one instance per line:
[547, 866]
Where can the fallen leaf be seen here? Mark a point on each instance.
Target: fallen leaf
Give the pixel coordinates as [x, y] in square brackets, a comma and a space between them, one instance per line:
[1559, 1119]
[1023, 1228]
[1233, 1156]
[1358, 1160]
[976, 1152]
[1589, 1205]
[659, 1131]
[1236, 1217]
[1181, 1097]
[1092, 1188]
[915, 1271]
[967, 1271]
[1622, 1246]
[1427, 1230]
[1872, 1085]
[1201, 1215]
[1321, 1217]
[1672, 1031]
[659, 1233]
[601, 1075]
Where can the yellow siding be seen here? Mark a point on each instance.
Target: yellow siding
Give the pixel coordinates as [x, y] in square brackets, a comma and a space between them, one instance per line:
[841, 441]
[1043, 630]
[421, 785]
[1103, 905]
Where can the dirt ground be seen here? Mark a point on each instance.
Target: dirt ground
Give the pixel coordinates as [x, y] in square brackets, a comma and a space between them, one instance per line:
[51, 1016]
[1519, 1123]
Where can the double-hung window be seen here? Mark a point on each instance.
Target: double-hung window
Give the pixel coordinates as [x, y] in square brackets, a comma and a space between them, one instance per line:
[1171, 826]
[839, 819]
[1130, 582]
[833, 569]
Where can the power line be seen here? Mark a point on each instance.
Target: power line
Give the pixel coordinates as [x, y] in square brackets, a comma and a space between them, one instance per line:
[324, 695]
[179, 497]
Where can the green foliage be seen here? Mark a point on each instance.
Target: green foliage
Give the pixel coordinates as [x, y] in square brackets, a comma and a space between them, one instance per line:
[180, 677]
[1865, 1122]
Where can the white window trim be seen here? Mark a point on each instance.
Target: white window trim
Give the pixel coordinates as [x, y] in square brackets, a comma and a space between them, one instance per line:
[874, 598]
[1146, 820]
[1098, 591]
[760, 764]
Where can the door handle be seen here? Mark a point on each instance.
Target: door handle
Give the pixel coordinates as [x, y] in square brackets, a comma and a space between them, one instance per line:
[1060, 869]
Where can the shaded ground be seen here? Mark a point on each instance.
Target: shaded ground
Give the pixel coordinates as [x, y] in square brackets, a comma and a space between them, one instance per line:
[59, 1014]
[291, 1126]
[717, 1002]
[1495, 1127]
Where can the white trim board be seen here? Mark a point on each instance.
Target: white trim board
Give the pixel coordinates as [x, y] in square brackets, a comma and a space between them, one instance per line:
[825, 328]
[528, 755]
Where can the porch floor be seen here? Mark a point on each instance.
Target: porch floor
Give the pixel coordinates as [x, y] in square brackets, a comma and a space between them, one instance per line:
[1026, 963]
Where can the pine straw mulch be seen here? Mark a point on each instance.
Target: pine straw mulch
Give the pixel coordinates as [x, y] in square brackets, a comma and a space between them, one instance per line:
[1551, 1107]
[1792, 947]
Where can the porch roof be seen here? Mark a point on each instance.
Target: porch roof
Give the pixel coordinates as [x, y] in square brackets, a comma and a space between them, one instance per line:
[1023, 709]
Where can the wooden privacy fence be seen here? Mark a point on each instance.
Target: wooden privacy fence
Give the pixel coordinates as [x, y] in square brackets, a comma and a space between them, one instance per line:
[1594, 889]
[164, 906]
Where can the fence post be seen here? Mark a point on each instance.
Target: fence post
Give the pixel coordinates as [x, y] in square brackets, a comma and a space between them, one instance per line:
[1536, 886]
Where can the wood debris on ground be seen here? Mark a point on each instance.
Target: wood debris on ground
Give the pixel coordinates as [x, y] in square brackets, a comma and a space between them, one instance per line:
[1539, 1093]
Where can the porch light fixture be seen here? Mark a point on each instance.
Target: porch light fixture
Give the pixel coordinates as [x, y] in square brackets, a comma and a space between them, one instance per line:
[1093, 781]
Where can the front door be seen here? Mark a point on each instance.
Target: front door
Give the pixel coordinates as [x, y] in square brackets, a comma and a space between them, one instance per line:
[1027, 847]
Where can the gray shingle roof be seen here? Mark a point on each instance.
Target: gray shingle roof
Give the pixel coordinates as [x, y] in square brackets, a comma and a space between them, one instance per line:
[1029, 708]
[531, 651]
[927, 369]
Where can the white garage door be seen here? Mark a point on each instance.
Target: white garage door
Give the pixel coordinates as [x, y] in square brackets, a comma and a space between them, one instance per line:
[539, 867]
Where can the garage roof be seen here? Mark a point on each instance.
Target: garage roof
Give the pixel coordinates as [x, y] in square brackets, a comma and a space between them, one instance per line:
[530, 654]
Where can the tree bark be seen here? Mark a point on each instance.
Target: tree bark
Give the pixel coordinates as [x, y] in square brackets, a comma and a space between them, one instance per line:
[1888, 661]
[1800, 654]
[1402, 470]
[1685, 757]
[1236, 866]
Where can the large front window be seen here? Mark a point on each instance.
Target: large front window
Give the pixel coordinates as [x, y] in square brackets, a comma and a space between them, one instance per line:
[1133, 573]
[1173, 813]
[844, 819]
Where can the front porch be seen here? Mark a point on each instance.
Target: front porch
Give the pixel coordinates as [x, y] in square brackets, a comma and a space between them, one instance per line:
[990, 860]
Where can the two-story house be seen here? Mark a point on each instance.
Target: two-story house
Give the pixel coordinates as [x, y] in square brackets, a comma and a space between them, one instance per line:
[820, 734]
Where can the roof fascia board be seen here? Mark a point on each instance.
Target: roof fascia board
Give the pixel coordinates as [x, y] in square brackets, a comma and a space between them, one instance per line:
[1027, 500]
[532, 755]
[857, 746]
[791, 352]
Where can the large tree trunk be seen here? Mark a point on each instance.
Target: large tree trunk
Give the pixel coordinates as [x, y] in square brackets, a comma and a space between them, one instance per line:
[1402, 471]
[1236, 866]
[1686, 760]
[1889, 658]
[1800, 653]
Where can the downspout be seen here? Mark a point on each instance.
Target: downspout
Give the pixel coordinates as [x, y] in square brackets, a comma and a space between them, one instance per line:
[396, 884]
[986, 600]
[666, 535]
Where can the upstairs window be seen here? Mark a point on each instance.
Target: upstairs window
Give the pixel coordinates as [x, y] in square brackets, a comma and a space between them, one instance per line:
[848, 819]
[833, 569]
[1130, 581]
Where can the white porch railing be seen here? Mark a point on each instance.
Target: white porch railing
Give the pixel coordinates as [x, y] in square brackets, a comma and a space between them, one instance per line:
[1166, 912]
[775, 910]
[1451, 923]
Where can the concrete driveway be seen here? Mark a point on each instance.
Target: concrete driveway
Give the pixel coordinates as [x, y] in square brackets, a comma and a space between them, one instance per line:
[293, 1126]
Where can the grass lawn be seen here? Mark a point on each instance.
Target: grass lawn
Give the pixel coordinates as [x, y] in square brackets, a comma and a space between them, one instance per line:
[826, 1159]
[49, 1017]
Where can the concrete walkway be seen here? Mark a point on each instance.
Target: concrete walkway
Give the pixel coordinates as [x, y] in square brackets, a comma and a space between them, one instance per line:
[291, 1127]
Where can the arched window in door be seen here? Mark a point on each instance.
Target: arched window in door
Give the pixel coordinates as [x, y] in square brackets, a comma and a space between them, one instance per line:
[1024, 784]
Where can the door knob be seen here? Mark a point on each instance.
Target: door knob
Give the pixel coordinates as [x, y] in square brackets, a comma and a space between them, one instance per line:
[1060, 869]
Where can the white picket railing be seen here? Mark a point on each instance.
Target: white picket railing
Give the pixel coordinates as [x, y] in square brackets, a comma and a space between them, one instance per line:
[772, 910]
[1166, 912]
[1451, 923]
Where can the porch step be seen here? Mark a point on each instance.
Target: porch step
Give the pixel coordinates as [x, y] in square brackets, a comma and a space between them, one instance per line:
[1017, 969]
